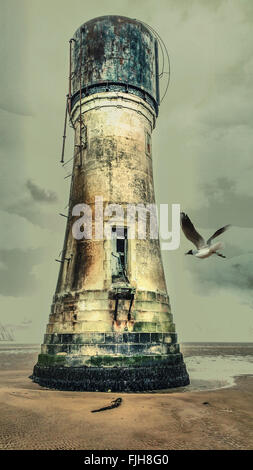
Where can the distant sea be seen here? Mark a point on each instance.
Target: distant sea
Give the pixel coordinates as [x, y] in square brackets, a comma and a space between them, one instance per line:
[210, 365]
[215, 365]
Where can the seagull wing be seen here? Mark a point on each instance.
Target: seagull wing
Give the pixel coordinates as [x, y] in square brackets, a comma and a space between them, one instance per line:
[217, 233]
[190, 231]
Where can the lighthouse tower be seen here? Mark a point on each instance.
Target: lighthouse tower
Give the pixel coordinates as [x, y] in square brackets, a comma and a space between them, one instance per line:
[111, 326]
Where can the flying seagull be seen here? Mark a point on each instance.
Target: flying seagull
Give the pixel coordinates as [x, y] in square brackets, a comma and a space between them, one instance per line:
[204, 248]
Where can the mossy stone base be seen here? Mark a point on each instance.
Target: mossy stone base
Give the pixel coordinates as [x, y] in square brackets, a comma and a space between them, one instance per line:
[155, 375]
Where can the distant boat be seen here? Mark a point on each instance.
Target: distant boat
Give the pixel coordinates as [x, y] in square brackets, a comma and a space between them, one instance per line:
[6, 333]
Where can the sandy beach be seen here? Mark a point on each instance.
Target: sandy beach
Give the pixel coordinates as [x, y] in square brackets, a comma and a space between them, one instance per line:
[35, 418]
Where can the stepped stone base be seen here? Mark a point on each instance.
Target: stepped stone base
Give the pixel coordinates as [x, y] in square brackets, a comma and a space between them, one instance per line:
[86, 348]
[152, 374]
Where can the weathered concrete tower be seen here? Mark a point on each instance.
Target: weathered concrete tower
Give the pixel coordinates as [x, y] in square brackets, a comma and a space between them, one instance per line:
[111, 326]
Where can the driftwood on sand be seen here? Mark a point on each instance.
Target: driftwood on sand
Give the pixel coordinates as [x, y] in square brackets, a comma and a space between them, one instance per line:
[114, 404]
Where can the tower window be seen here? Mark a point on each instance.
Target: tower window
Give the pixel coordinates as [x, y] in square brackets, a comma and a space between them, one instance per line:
[148, 143]
[119, 254]
[84, 135]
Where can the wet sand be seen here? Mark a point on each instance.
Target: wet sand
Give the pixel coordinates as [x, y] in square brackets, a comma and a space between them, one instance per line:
[32, 417]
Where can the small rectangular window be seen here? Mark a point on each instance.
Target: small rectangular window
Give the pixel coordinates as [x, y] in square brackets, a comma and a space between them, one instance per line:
[84, 136]
[148, 143]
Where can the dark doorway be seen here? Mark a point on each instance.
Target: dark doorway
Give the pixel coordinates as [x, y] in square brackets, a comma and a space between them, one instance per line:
[119, 254]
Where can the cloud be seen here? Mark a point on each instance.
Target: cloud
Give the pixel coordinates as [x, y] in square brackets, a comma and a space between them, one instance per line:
[19, 233]
[25, 322]
[17, 112]
[39, 194]
[18, 326]
[223, 204]
[233, 275]
[36, 205]
[16, 271]
[215, 275]
[26, 208]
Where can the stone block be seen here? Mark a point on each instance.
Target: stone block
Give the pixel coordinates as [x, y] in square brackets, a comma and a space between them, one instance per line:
[123, 349]
[145, 327]
[131, 337]
[145, 337]
[96, 326]
[114, 337]
[156, 337]
[94, 315]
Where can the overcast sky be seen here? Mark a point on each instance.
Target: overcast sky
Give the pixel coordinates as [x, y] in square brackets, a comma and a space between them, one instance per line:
[202, 154]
